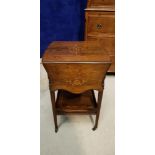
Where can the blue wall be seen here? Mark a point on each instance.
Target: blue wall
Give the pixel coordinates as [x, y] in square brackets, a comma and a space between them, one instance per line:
[61, 20]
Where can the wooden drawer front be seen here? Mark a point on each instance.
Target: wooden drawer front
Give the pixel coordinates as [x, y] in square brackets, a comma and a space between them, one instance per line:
[100, 23]
[107, 43]
[96, 3]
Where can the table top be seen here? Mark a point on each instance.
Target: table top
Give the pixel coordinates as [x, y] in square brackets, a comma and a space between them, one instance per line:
[76, 51]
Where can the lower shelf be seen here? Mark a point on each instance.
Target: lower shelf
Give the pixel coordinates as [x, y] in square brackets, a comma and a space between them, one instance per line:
[69, 103]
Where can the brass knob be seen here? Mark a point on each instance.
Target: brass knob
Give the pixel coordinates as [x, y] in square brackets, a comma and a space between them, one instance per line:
[99, 26]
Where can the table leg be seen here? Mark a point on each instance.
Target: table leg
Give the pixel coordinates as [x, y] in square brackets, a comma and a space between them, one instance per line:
[100, 94]
[54, 110]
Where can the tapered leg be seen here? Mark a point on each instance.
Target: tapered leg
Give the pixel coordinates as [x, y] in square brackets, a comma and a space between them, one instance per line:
[54, 111]
[98, 109]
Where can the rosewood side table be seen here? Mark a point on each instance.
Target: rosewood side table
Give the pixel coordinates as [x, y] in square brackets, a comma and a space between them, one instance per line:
[76, 69]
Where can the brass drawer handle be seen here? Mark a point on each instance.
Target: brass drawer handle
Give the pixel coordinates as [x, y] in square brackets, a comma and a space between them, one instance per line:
[99, 26]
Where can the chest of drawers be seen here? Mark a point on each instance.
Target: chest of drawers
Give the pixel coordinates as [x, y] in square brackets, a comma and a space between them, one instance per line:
[100, 25]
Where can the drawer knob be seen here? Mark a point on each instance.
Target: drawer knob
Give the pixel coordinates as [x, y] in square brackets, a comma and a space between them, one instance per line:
[99, 26]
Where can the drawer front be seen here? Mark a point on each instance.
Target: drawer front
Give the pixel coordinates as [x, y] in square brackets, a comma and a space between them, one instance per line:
[100, 23]
[109, 45]
[96, 3]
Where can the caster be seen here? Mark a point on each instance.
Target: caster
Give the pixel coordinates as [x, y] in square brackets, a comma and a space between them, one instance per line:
[94, 128]
[56, 130]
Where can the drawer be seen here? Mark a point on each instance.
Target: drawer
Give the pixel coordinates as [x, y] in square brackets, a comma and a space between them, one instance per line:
[99, 3]
[108, 43]
[100, 23]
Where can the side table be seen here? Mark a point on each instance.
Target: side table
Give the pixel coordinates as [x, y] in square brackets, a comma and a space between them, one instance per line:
[76, 69]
